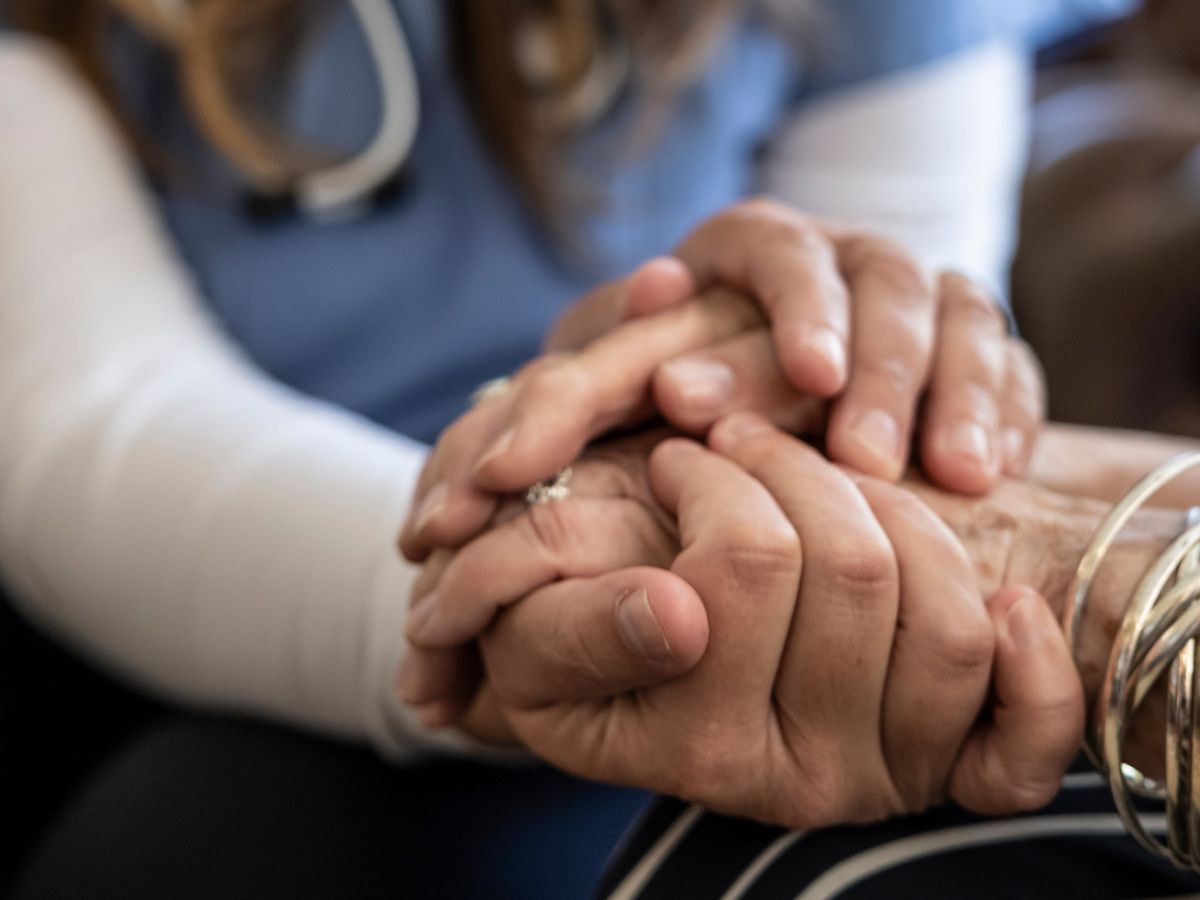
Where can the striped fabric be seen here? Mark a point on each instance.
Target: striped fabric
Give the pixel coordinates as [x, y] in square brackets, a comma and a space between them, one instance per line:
[1076, 847]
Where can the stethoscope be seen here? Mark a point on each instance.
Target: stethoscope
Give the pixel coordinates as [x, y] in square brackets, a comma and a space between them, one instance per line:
[355, 185]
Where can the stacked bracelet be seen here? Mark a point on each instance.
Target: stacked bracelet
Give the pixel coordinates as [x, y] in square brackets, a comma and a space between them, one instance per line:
[1158, 633]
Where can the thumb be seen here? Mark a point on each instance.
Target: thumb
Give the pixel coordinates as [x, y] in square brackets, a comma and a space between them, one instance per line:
[651, 287]
[1015, 761]
[590, 638]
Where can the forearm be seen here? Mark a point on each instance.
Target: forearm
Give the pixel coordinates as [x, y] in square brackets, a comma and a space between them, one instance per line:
[163, 506]
[1105, 462]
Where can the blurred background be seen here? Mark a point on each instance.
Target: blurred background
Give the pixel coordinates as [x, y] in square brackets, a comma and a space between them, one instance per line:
[1106, 283]
[1106, 286]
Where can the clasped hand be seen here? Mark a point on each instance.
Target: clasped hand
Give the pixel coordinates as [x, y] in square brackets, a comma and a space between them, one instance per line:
[746, 624]
[834, 648]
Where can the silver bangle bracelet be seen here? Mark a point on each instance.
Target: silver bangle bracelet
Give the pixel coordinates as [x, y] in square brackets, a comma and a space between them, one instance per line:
[1157, 635]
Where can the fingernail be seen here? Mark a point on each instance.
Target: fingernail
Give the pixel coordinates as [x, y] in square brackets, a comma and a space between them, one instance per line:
[741, 425]
[1022, 623]
[640, 629]
[420, 614]
[826, 344]
[878, 433]
[497, 448]
[406, 680]
[702, 384]
[1014, 448]
[432, 506]
[969, 439]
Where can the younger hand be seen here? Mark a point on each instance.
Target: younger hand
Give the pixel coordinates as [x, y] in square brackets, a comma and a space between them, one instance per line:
[909, 341]
[806, 709]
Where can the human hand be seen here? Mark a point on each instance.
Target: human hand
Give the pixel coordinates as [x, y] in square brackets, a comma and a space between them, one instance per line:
[610, 521]
[943, 343]
[809, 708]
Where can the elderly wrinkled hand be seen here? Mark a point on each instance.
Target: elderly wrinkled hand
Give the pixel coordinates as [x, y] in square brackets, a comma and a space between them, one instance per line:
[813, 617]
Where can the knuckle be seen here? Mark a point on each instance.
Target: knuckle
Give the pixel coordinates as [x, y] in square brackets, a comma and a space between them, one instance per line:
[896, 373]
[740, 218]
[553, 526]
[763, 207]
[565, 381]
[768, 553]
[971, 304]
[792, 232]
[862, 567]
[975, 396]
[748, 552]
[892, 267]
[964, 640]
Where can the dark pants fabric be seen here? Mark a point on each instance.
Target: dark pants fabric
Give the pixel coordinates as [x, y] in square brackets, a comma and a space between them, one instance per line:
[106, 794]
[219, 808]
[59, 719]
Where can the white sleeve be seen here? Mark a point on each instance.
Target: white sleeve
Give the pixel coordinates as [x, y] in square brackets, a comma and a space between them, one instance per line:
[931, 157]
[165, 507]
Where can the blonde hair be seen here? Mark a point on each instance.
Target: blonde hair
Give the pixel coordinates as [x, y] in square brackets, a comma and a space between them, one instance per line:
[533, 71]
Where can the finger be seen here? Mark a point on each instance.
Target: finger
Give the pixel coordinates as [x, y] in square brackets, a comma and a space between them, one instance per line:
[789, 266]
[553, 540]
[1015, 763]
[681, 737]
[895, 316]
[943, 647]
[448, 509]
[431, 573]
[742, 555]
[439, 683]
[560, 408]
[653, 286]
[960, 441]
[1022, 407]
[841, 634]
[590, 638]
[695, 390]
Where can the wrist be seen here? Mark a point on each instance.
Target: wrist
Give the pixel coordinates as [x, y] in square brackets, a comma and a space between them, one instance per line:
[1046, 556]
[1025, 534]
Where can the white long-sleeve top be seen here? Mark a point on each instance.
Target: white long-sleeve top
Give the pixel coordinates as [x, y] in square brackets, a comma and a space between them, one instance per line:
[164, 507]
[931, 157]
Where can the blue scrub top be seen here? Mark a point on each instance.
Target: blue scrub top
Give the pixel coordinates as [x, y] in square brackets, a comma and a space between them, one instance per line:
[399, 313]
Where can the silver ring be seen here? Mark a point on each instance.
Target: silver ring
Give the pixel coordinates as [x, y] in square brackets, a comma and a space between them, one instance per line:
[493, 387]
[556, 488]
